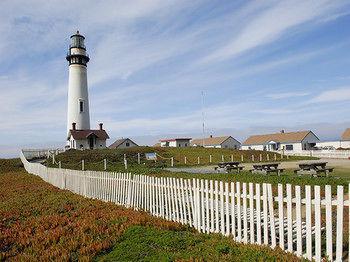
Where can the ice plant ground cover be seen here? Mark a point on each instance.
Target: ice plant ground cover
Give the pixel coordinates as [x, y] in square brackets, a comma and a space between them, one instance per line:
[41, 222]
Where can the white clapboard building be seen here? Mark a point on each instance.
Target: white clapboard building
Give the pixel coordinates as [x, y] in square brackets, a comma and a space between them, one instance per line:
[288, 141]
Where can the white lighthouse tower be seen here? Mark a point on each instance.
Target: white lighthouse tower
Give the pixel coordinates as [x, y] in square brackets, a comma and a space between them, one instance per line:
[79, 134]
[78, 98]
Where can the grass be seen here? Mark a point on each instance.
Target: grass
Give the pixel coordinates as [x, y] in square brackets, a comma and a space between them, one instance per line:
[140, 243]
[40, 223]
[72, 158]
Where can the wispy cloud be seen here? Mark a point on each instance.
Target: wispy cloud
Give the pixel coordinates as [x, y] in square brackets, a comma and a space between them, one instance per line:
[334, 95]
[286, 95]
[271, 24]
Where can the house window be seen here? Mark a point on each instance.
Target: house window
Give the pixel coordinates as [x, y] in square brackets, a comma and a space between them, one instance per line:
[289, 147]
[127, 144]
[81, 106]
[185, 144]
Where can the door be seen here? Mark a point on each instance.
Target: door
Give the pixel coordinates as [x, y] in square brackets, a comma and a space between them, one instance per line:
[91, 142]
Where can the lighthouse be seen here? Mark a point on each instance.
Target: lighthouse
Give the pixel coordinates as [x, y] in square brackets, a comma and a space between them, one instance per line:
[78, 97]
[79, 134]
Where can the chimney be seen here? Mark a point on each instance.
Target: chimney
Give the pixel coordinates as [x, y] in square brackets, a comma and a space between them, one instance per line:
[282, 131]
[101, 126]
[74, 126]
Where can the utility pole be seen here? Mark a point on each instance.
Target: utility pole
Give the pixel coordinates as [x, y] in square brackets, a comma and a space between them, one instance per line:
[203, 126]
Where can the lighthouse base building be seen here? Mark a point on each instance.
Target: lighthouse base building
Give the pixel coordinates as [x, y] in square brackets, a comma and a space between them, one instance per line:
[87, 138]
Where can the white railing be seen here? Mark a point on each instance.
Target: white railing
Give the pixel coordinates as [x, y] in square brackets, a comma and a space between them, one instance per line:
[309, 223]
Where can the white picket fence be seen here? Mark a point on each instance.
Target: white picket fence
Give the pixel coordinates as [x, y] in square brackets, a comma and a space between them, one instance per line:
[297, 221]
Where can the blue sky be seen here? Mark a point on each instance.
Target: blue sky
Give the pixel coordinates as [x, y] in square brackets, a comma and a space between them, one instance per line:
[262, 65]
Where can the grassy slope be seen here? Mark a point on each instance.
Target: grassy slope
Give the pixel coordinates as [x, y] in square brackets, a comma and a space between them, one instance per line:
[41, 222]
[72, 158]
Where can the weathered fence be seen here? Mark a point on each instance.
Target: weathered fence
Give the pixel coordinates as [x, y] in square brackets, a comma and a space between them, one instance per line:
[308, 221]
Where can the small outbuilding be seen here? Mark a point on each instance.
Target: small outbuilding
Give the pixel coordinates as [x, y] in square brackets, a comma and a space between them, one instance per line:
[175, 142]
[217, 142]
[289, 141]
[123, 143]
[87, 138]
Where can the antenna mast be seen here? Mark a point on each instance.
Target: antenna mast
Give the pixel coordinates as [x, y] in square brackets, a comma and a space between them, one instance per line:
[203, 126]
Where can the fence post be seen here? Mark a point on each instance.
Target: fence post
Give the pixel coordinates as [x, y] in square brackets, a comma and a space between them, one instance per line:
[172, 161]
[53, 158]
[222, 158]
[138, 158]
[82, 165]
[242, 158]
[105, 164]
[231, 158]
[260, 157]
[198, 160]
[210, 158]
[185, 160]
[275, 157]
[59, 164]
[125, 162]
[252, 158]
[268, 157]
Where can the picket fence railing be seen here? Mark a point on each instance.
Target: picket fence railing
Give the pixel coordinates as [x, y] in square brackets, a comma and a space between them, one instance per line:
[308, 225]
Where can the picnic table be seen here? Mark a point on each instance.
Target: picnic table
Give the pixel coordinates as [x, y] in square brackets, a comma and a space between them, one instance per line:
[313, 168]
[229, 166]
[265, 168]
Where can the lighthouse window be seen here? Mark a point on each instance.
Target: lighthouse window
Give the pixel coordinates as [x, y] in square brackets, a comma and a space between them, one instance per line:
[81, 106]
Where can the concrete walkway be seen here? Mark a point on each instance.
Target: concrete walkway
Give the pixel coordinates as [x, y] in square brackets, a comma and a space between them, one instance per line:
[337, 163]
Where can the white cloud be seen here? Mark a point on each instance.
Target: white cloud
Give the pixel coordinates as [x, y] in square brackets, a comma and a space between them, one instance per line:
[334, 95]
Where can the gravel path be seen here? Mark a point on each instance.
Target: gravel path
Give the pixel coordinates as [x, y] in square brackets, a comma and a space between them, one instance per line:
[340, 163]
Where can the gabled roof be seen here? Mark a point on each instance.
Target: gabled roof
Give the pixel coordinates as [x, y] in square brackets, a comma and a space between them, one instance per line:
[84, 134]
[118, 142]
[211, 141]
[346, 135]
[277, 137]
[175, 139]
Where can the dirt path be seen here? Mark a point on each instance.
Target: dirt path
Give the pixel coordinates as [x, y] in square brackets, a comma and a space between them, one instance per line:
[337, 163]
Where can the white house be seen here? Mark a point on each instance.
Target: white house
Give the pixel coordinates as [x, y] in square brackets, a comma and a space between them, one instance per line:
[291, 141]
[217, 142]
[175, 142]
[123, 143]
[87, 138]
